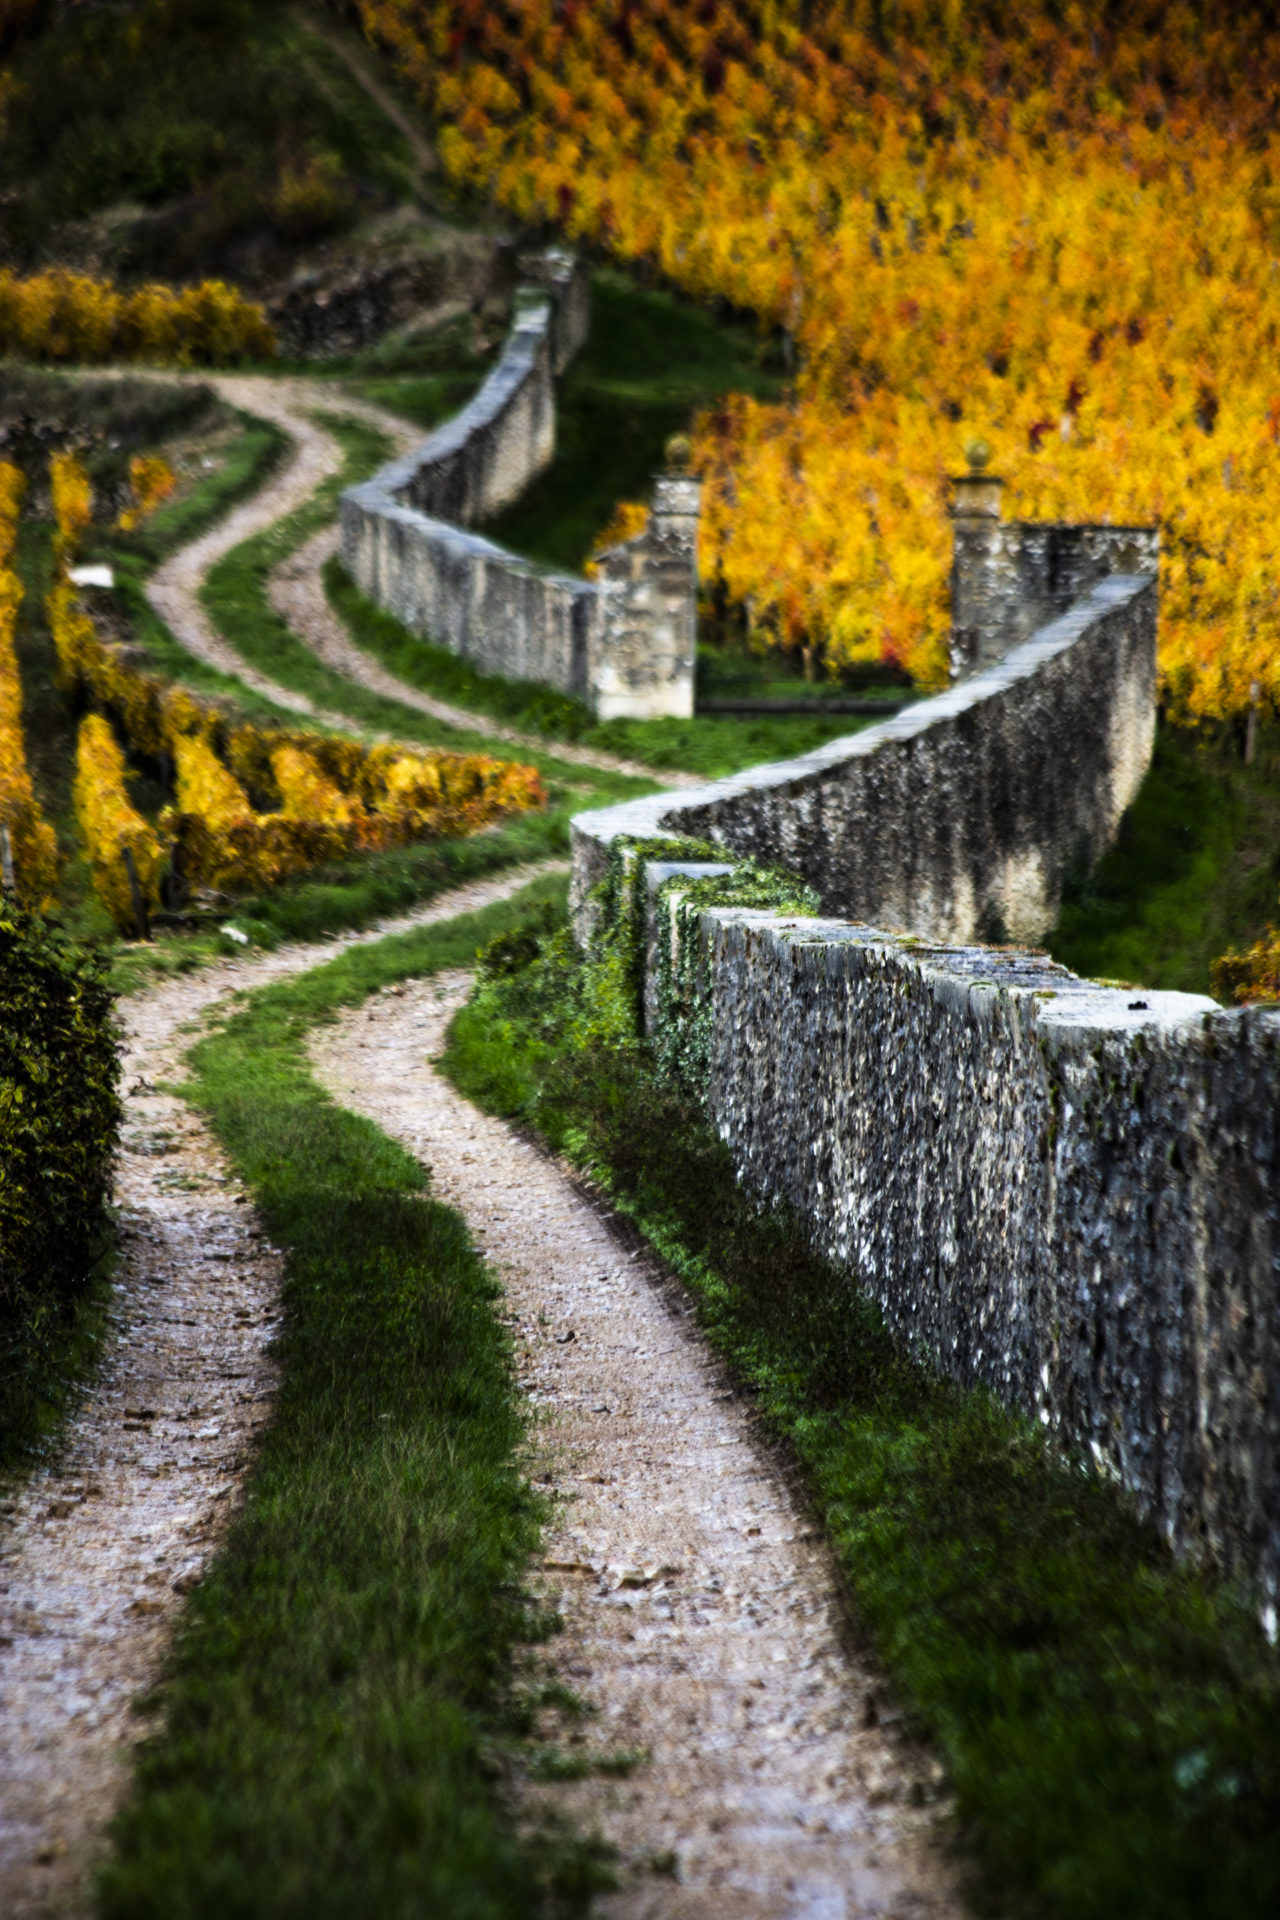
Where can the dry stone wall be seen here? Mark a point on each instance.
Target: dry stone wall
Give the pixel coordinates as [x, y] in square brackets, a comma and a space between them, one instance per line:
[1063, 1192]
[961, 816]
[624, 642]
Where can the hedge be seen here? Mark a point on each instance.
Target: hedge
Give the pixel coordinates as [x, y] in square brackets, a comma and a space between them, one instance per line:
[59, 1126]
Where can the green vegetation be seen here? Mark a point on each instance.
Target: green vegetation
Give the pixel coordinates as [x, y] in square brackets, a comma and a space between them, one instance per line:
[339, 1713]
[59, 1126]
[232, 132]
[1195, 868]
[1107, 1719]
[347, 894]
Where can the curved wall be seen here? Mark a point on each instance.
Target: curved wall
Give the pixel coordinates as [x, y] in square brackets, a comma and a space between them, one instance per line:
[624, 642]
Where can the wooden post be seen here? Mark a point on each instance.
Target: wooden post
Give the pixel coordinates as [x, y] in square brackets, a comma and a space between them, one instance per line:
[8, 879]
[1251, 724]
[135, 890]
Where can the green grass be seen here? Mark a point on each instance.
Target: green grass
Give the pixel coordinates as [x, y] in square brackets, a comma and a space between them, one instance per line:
[190, 111]
[1195, 868]
[711, 746]
[650, 361]
[235, 595]
[1109, 1722]
[339, 1717]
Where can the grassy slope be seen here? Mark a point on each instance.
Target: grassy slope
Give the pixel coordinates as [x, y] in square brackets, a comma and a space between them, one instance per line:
[339, 1709]
[190, 114]
[1109, 1722]
[1195, 868]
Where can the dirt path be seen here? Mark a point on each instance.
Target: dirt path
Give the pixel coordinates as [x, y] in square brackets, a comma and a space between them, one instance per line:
[701, 1616]
[295, 588]
[101, 1542]
[174, 589]
[297, 593]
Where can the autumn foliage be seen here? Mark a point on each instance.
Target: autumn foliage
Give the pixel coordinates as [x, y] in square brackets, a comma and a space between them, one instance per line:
[63, 316]
[252, 805]
[32, 843]
[1053, 228]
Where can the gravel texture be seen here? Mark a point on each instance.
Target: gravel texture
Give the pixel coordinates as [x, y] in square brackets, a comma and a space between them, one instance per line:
[99, 1544]
[701, 1612]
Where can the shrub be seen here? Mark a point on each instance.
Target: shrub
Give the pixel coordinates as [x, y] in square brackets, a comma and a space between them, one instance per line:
[114, 832]
[59, 1123]
[64, 316]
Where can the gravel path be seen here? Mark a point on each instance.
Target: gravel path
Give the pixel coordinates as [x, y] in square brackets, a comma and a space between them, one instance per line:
[295, 588]
[700, 1609]
[174, 589]
[98, 1546]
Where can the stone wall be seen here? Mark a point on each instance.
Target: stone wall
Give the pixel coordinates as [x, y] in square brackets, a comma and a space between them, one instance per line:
[960, 817]
[624, 642]
[1011, 577]
[1062, 1192]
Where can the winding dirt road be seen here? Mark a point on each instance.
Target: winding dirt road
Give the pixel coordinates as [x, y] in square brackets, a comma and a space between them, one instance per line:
[98, 1547]
[296, 589]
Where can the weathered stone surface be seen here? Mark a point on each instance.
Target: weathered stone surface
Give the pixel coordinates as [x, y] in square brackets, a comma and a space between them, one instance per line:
[624, 642]
[1011, 577]
[337, 311]
[1063, 1192]
[961, 815]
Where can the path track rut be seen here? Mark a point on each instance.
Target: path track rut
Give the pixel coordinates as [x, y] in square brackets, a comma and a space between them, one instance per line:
[700, 1607]
[101, 1542]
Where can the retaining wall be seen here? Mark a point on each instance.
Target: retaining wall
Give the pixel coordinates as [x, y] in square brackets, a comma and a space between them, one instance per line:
[624, 642]
[1062, 1192]
[963, 815]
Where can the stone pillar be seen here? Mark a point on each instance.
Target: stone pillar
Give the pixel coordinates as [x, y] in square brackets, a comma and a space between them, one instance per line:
[644, 664]
[977, 549]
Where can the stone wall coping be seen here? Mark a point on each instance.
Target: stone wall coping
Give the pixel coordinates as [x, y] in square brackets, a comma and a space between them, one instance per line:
[461, 542]
[1066, 1009]
[380, 493]
[658, 812]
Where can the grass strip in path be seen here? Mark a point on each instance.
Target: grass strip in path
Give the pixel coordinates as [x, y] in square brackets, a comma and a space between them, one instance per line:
[1109, 1721]
[339, 1699]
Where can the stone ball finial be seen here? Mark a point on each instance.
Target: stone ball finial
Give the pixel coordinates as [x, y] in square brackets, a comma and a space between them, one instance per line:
[978, 454]
[679, 452]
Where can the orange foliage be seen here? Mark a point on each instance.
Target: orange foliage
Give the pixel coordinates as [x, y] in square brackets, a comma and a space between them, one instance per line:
[334, 796]
[1252, 976]
[111, 826]
[151, 480]
[1051, 228]
[66, 316]
[72, 505]
[32, 842]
